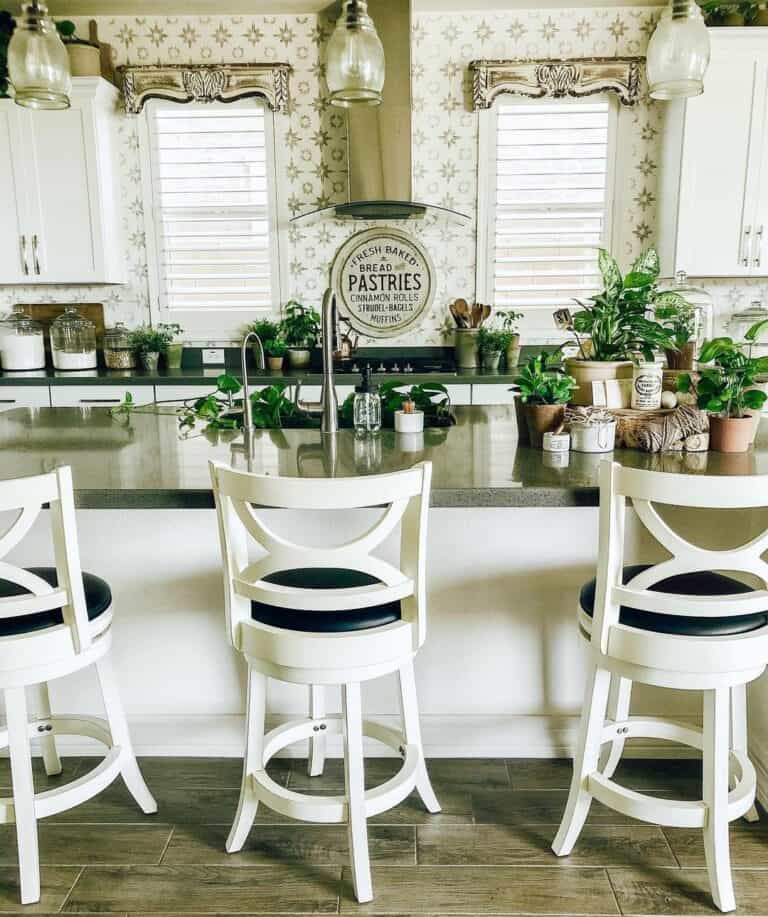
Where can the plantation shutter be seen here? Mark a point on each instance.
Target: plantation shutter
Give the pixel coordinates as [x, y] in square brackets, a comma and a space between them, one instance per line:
[552, 174]
[212, 207]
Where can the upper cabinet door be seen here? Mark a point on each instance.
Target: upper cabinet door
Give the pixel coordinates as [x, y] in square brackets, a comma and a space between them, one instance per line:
[14, 245]
[758, 256]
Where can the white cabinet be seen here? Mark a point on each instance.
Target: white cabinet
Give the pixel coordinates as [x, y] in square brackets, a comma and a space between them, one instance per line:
[24, 396]
[713, 194]
[492, 394]
[96, 396]
[58, 198]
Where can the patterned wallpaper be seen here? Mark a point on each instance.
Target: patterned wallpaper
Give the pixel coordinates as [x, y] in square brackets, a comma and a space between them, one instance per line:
[312, 142]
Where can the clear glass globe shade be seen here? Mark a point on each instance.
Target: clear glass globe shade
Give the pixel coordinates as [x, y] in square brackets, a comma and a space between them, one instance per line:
[678, 53]
[355, 66]
[38, 65]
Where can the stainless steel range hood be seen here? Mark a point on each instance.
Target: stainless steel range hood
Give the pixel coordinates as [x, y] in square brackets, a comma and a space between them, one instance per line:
[379, 137]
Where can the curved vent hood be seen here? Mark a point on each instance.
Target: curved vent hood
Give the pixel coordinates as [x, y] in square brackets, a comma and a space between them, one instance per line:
[379, 138]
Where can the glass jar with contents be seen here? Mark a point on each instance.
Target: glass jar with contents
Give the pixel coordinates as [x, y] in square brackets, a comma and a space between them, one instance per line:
[73, 341]
[367, 405]
[692, 324]
[118, 352]
[22, 346]
[739, 324]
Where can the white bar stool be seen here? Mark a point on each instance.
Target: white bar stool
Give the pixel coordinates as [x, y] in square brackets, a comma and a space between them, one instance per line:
[331, 615]
[676, 624]
[54, 621]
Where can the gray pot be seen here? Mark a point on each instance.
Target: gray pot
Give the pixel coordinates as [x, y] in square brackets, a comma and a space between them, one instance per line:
[466, 348]
[149, 360]
[299, 358]
[491, 360]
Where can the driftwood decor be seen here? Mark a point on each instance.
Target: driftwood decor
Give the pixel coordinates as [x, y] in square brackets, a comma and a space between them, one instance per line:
[538, 79]
[205, 83]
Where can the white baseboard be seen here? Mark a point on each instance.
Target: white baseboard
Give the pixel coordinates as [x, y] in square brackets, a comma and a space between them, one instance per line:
[501, 736]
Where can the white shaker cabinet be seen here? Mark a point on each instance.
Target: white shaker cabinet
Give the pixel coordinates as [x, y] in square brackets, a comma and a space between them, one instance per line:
[713, 193]
[59, 219]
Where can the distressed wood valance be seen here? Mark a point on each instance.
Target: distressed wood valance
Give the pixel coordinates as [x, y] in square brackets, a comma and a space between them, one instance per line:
[205, 83]
[538, 79]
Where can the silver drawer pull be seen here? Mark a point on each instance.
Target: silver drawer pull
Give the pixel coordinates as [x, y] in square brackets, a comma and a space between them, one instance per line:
[746, 246]
[23, 246]
[758, 245]
[7, 401]
[34, 254]
[99, 401]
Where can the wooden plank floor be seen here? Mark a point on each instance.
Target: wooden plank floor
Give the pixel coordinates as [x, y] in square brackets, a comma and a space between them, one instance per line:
[486, 853]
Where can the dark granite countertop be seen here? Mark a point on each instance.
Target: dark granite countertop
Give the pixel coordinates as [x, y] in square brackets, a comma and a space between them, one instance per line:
[143, 463]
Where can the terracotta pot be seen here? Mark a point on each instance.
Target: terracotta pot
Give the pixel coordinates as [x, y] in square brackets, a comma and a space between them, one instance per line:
[84, 59]
[275, 363]
[541, 419]
[683, 358]
[465, 344]
[299, 358]
[730, 434]
[513, 352]
[585, 372]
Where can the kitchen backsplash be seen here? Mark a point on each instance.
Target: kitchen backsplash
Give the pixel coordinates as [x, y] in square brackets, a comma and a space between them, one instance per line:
[445, 131]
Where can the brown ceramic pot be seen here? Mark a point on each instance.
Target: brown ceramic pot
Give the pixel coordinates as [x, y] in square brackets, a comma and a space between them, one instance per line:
[730, 434]
[681, 359]
[275, 363]
[541, 419]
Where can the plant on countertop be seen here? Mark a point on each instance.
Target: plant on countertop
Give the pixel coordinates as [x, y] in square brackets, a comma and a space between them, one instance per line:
[145, 339]
[170, 331]
[274, 347]
[543, 381]
[718, 12]
[509, 320]
[266, 329]
[430, 397]
[615, 319]
[490, 341]
[300, 325]
[7, 28]
[678, 317]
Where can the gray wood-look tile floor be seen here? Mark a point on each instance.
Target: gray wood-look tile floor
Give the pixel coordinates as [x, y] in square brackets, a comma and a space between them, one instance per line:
[486, 853]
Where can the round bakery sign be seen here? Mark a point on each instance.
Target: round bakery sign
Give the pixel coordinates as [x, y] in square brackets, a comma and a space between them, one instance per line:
[385, 281]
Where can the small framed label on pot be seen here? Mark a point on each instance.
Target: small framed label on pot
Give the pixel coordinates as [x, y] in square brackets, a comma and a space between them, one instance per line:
[385, 281]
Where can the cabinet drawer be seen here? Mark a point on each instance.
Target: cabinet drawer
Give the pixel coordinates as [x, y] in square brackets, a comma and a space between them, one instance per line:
[312, 392]
[94, 396]
[183, 392]
[24, 396]
[460, 394]
[492, 394]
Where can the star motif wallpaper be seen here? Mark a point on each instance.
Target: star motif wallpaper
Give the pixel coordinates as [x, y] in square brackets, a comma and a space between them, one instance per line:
[312, 144]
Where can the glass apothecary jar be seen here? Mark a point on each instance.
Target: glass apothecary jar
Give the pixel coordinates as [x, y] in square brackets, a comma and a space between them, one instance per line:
[73, 341]
[697, 327]
[366, 406]
[118, 351]
[22, 345]
[739, 324]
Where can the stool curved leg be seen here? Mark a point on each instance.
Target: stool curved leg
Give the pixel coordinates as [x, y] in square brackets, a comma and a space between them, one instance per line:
[51, 759]
[409, 710]
[585, 761]
[618, 711]
[118, 727]
[739, 732]
[253, 760]
[716, 753]
[316, 762]
[354, 782]
[23, 793]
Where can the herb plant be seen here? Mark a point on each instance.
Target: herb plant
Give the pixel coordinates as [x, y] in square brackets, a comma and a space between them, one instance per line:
[170, 331]
[543, 381]
[615, 320]
[725, 388]
[267, 330]
[274, 347]
[678, 317]
[145, 339]
[300, 326]
[509, 320]
[490, 341]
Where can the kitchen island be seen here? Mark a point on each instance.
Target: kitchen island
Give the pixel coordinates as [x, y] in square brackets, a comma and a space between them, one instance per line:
[512, 538]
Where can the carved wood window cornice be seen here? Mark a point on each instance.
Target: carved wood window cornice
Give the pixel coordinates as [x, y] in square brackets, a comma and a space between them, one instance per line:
[537, 79]
[205, 83]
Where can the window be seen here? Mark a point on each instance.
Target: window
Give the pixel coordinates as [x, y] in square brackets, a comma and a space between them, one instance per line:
[211, 214]
[546, 183]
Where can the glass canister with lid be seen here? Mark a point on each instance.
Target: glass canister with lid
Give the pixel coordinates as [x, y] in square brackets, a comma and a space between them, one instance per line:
[73, 341]
[739, 324]
[691, 326]
[22, 346]
[118, 350]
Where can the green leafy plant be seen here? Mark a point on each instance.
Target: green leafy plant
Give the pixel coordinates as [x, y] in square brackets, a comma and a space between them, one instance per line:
[170, 331]
[274, 347]
[490, 341]
[543, 381]
[430, 397]
[145, 339]
[725, 388]
[509, 320]
[615, 320]
[300, 325]
[717, 11]
[266, 329]
[7, 28]
[677, 316]
[67, 29]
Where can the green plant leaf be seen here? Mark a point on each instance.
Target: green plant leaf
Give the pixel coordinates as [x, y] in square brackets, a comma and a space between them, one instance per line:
[647, 263]
[756, 330]
[228, 384]
[610, 272]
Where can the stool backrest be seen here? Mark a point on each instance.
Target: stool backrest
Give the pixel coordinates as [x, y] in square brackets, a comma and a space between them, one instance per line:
[27, 496]
[240, 494]
[646, 488]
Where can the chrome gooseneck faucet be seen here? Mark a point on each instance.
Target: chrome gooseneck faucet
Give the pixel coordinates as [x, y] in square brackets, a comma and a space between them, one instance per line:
[328, 406]
[247, 406]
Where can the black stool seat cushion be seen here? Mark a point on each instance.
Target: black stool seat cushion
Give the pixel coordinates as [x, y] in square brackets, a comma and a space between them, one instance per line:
[324, 622]
[699, 583]
[98, 598]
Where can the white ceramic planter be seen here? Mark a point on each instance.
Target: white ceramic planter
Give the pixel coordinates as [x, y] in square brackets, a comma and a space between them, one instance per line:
[409, 423]
[585, 372]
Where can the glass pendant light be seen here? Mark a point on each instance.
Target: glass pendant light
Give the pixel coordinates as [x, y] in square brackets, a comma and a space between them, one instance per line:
[678, 52]
[355, 58]
[38, 63]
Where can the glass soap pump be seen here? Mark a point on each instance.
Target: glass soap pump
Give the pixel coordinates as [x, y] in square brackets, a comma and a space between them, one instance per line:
[367, 404]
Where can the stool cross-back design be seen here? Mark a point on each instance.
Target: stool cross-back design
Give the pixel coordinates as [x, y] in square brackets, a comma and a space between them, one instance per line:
[676, 624]
[326, 615]
[54, 621]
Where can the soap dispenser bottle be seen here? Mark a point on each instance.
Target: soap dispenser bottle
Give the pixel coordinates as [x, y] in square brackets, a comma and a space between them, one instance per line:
[367, 404]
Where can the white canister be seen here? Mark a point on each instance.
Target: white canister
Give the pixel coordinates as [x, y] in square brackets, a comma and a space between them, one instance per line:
[647, 386]
[556, 442]
[409, 422]
[599, 436]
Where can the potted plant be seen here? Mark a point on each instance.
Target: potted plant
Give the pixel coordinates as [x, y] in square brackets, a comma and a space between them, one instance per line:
[509, 322]
[149, 343]
[492, 344]
[760, 15]
[7, 28]
[174, 349]
[727, 390]
[275, 349]
[717, 12]
[544, 390]
[267, 330]
[299, 329]
[678, 317]
[84, 56]
[616, 324]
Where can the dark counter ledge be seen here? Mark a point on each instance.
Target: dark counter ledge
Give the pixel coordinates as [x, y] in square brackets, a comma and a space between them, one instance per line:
[477, 463]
